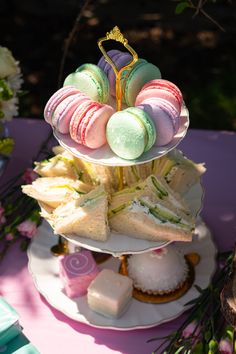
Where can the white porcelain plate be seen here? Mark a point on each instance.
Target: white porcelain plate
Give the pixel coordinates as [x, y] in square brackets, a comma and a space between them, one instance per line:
[118, 244]
[44, 269]
[105, 156]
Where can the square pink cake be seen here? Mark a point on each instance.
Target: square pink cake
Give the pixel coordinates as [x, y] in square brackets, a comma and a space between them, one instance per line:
[76, 271]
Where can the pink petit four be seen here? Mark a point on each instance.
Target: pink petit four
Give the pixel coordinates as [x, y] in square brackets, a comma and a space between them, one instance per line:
[76, 271]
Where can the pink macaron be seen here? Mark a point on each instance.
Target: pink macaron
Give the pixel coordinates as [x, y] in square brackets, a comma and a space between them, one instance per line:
[88, 124]
[163, 89]
[165, 117]
[76, 119]
[64, 111]
[57, 98]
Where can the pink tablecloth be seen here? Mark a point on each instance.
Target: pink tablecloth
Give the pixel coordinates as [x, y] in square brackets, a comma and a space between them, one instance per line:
[52, 332]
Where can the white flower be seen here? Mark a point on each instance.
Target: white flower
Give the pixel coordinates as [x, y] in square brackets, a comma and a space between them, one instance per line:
[15, 81]
[9, 108]
[10, 84]
[8, 65]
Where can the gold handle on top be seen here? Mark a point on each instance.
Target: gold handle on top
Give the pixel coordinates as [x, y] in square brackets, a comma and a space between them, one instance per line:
[115, 34]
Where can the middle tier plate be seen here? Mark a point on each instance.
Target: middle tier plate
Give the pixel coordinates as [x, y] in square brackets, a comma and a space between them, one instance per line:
[105, 156]
[118, 244]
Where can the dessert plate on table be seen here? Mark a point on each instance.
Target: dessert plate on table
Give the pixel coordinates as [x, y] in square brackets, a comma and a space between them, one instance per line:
[118, 244]
[105, 156]
[43, 267]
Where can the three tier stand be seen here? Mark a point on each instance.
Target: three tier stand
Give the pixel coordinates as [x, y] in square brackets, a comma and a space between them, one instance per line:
[43, 265]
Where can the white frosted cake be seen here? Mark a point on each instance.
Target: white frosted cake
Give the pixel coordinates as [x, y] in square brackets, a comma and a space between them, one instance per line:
[109, 293]
[158, 272]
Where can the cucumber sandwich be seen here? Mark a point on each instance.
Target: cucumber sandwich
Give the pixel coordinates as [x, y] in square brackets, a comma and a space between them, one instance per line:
[54, 191]
[151, 210]
[85, 216]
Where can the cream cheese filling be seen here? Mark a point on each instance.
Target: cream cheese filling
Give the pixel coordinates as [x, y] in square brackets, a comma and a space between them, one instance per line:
[136, 207]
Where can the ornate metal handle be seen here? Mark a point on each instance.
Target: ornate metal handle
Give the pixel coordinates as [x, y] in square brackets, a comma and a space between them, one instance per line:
[115, 34]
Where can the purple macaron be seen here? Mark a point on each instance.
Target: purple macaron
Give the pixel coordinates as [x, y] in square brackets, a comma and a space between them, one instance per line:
[120, 60]
[56, 99]
[63, 113]
[165, 117]
[103, 64]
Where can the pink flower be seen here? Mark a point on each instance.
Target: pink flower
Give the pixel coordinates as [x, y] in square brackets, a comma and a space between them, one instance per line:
[225, 346]
[2, 219]
[27, 228]
[192, 330]
[2, 216]
[9, 236]
[29, 175]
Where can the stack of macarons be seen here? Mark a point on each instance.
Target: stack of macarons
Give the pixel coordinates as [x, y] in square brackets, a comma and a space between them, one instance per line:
[162, 100]
[151, 119]
[120, 59]
[131, 80]
[70, 111]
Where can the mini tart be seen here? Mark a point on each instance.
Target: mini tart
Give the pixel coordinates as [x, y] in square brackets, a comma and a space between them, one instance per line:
[191, 259]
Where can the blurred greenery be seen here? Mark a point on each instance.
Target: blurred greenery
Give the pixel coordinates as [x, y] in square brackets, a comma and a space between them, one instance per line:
[190, 51]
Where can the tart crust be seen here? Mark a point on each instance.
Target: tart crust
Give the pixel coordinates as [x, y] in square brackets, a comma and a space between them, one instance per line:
[159, 298]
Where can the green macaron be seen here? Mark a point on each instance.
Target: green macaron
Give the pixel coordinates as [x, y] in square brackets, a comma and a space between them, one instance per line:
[91, 80]
[133, 80]
[148, 124]
[130, 133]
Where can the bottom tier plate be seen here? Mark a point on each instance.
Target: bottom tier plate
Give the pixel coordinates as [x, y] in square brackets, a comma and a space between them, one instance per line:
[44, 269]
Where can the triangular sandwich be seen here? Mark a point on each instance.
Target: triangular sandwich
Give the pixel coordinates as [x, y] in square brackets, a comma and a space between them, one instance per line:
[85, 216]
[54, 191]
[63, 164]
[152, 211]
[179, 172]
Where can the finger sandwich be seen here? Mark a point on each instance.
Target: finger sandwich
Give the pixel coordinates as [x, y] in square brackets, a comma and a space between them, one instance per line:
[55, 191]
[85, 216]
[152, 211]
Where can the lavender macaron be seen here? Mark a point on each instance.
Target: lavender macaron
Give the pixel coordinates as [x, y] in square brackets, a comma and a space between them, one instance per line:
[56, 99]
[132, 80]
[120, 60]
[165, 117]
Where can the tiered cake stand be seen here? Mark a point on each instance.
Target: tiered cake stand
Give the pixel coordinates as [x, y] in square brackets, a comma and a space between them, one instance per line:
[45, 269]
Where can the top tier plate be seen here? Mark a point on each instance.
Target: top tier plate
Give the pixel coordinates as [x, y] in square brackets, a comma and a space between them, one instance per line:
[105, 156]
